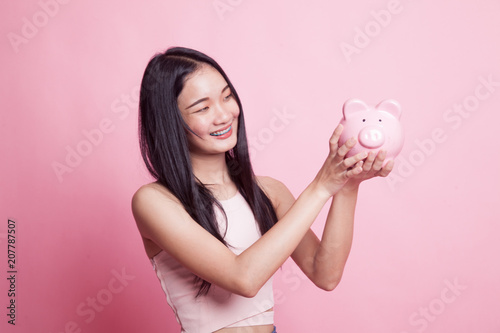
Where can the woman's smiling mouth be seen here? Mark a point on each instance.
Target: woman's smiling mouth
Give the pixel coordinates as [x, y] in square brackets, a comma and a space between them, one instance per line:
[222, 132]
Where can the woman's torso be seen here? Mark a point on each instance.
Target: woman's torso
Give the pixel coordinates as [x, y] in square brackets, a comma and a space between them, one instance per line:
[152, 249]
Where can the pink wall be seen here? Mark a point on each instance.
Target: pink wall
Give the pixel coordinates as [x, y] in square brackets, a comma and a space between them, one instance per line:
[425, 255]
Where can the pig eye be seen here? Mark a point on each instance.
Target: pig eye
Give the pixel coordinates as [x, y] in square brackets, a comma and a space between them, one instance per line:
[380, 120]
[364, 120]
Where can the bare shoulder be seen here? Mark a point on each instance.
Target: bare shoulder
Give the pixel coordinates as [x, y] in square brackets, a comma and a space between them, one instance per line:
[270, 185]
[276, 191]
[149, 194]
[149, 199]
[153, 191]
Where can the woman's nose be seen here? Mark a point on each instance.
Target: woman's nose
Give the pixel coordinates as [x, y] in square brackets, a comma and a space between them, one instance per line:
[223, 115]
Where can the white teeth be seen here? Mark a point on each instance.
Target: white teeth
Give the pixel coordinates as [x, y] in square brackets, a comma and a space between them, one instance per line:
[221, 132]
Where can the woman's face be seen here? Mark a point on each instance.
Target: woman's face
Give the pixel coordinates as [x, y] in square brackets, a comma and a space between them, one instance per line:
[210, 110]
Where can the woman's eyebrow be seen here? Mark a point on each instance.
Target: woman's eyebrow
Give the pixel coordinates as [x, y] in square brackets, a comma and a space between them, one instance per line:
[206, 98]
[197, 102]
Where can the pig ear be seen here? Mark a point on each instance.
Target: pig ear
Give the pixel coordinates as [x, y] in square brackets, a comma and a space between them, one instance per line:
[353, 105]
[391, 106]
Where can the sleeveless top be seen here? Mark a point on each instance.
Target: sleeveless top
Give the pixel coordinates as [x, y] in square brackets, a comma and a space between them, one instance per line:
[219, 308]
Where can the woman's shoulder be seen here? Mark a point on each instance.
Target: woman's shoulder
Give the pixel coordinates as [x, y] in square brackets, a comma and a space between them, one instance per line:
[273, 188]
[153, 207]
[278, 193]
[269, 184]
[150, 195]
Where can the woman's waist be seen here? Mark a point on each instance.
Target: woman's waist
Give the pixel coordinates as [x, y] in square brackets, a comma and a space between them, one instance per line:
[260, 323]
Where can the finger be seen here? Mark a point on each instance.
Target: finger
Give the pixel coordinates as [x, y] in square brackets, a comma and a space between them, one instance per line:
[367, 165]
[334, 139]
[379, 160]
[360, 163]
[351, 161]
[356, 170]
[346, 147]
[386, 170]
[357, 165]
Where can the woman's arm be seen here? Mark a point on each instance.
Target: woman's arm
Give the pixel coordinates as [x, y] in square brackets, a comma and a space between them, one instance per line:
[162, 219]
[324, 261]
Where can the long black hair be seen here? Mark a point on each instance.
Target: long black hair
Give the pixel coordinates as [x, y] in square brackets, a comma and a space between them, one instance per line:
[164, 144]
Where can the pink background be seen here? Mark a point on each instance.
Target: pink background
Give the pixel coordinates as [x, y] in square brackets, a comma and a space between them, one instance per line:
[425, 254]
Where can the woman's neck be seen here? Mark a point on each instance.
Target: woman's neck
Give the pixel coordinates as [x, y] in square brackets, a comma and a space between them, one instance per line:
[212, 171]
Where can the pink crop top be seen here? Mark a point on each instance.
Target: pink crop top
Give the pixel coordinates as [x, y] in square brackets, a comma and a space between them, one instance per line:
[219, 308]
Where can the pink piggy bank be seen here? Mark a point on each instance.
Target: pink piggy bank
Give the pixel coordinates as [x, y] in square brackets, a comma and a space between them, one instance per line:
[375, 128]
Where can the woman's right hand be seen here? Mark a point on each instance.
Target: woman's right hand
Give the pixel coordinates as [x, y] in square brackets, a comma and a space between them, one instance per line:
[338, 169]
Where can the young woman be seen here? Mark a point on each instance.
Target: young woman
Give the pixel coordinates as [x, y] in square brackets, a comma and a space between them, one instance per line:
[214, 231]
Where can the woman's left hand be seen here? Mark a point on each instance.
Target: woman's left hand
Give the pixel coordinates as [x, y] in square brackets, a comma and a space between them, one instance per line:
[373, 166]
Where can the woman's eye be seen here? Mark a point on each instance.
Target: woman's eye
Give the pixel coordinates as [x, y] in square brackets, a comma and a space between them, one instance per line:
[202, 110]
[228, 97]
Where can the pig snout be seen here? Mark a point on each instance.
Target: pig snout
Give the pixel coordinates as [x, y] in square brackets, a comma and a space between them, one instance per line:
[371, 137]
